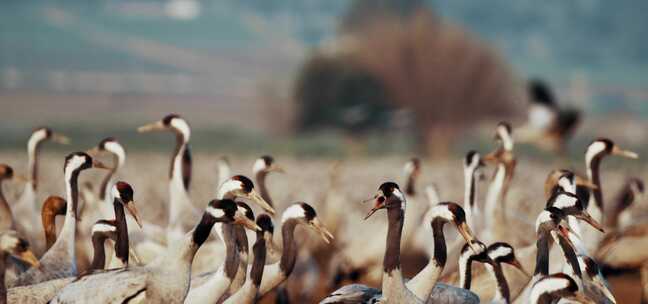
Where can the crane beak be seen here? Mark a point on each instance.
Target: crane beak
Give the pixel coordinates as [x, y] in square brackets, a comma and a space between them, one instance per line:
[60, 138]
[241, 219]
[323, 231]
[99, 165]
[624, 153]
[584, 216]
[276, 168]
[585, 183]
[28, 257]
[379, 204]
[256, 198]
[319, 227]
[604, 289]
[516, 263]
[155, 126]
[130, 206]
[467, 234]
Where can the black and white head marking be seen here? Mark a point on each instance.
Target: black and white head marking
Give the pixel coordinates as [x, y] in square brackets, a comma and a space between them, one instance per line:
[6, 171]
[504, 134]
[77, 161]
[243, 208]
[40, 134]
[104, 227]
[412, 166]
[177, 123]
[123, 191]
[236, 185]
[558, 285]
[567, 202]
[473, 160]
[598, 148]
[391, 190]
[567, 182]
[299, 211]
[477, 252]
[13, 244]
[111, 145]
[222, 209]
[501, 252]
[551, 216]
[449, 212]
[262, 163]
[265, 222]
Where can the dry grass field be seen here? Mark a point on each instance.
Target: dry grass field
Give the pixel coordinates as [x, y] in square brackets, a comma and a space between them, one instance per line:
[337, 204]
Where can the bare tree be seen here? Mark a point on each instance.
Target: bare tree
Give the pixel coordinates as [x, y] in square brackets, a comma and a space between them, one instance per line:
[447, 77]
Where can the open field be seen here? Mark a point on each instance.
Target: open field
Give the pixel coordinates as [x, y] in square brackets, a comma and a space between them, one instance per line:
[339, 206]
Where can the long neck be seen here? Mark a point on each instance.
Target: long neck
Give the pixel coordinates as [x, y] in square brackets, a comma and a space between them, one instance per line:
[6, 218]
[423, 283]
[593, 173]
[465, 271]
[242, 251]
[68, 232]
[232, 256]
[261, 182]
[289, 256]
[440, 250]
[177, 190]
[224, 173]
[502, 293]
[393, 286]
[570, 256]
[494, 195]
[259, 249]
[542, 255]
[469, 195]
[186, 167]
[121, 246]
[33, 149]
[99, 255]
[177, 158]
[185, 250]
[623, 201]
[3, 287]
[410, 185]
[391, 260]
[106, 182]
[48, 218]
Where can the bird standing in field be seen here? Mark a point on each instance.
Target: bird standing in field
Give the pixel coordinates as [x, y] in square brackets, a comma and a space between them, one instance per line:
[60, 261]
[25, 209]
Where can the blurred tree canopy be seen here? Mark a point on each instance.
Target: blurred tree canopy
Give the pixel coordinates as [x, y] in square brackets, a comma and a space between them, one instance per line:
[334, 92]
[448, 79]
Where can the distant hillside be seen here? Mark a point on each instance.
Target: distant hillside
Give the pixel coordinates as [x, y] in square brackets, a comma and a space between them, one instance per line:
[224, 47]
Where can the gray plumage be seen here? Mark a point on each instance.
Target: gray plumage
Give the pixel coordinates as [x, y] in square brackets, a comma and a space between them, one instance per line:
[353, 294]
[362, 294]
[39, 293]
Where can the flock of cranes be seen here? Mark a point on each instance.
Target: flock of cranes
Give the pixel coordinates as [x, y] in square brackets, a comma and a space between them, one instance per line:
[100, 260]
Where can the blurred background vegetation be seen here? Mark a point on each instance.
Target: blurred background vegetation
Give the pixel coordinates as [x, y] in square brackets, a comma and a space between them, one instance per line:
[318, 78]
